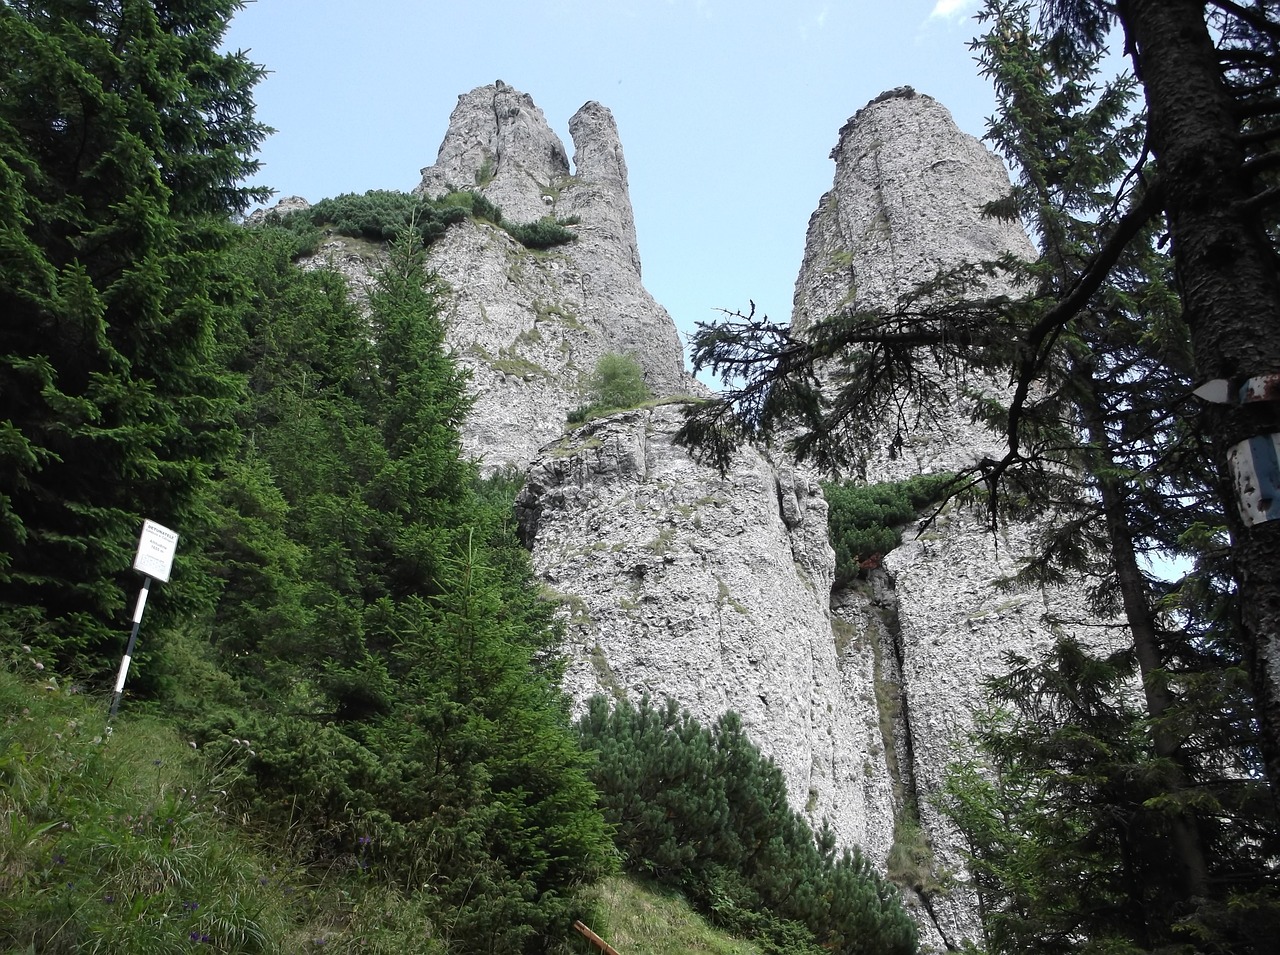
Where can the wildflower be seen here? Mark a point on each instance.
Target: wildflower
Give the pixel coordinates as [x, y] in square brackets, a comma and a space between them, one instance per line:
[194, 936]
[59, 860]
[190, 906]
[364, 840]
[25, 648]
[108, 898]
[39, 665]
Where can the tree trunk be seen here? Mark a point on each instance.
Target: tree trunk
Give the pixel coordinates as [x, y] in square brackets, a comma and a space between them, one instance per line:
[1184, 834]
[1227, 272]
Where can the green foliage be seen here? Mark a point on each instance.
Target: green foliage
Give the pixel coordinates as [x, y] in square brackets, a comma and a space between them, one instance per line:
[542, 234]
[865, 520]
[348, 594]
[124, 135]
[643, 916]
[118, 843]
[616, 384]
[382, 215]
[129, 843]
[703, 809]
[413, 683]
[1068, 820]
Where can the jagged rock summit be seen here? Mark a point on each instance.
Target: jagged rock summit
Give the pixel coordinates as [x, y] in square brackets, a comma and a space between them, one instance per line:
[907, 200]
[532, 324]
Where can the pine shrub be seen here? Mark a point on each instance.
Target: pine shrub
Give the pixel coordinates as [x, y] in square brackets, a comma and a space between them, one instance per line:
[616, 383]
[705, 810]
[382, 215]
[866, 520]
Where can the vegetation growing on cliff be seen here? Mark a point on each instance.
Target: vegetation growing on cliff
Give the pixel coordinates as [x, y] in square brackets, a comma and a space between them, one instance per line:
[381, 215]
[616, 383]
[865, 521]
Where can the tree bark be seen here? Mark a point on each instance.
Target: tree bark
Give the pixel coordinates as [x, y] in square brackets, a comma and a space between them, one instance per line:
[1227, 272]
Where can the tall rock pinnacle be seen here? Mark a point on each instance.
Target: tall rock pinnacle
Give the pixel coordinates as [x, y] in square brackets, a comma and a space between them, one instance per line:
[531, 325]
[907, 201]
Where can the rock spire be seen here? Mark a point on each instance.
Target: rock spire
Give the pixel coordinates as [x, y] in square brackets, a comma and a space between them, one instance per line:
[531, 325]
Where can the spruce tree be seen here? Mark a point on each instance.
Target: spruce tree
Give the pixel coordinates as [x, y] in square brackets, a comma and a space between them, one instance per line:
[124, 135]
[411, 698]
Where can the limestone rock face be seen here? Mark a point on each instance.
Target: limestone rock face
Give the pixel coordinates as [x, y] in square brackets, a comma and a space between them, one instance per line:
[907, 198]
[531, 325]
[678, 581]
[906, 202]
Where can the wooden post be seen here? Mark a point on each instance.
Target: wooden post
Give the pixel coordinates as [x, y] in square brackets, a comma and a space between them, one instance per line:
[596, 940]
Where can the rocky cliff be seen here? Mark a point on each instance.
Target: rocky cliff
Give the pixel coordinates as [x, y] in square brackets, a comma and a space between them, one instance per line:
[906, 202]
[713, 589]
[718, 589]
[532, 324]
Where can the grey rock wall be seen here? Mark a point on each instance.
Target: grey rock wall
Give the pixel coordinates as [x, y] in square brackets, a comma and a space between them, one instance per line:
[713, 589]
[531, 325]
[906, 201]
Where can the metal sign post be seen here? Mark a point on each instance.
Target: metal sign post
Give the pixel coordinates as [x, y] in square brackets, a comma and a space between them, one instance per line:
[156, 547]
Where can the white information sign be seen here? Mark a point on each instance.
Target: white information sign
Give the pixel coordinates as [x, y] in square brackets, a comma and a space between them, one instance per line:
[156, 548]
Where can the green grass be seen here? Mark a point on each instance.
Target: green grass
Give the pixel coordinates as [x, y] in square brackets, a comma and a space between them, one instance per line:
[640, 918]
[126, 843]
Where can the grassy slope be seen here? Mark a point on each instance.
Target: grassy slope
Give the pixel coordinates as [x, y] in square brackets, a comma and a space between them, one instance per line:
[645, 919]
[124, 843]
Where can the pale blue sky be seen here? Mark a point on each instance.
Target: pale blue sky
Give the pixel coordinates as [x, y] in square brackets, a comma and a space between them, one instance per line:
[727, 109]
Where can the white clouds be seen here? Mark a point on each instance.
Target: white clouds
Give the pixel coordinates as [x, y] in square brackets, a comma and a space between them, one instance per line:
[953, 9]
[815, 24]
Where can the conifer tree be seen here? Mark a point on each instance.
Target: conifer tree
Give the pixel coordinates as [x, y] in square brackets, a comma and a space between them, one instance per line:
[413, 700]
[1207, 71]
[124, 134]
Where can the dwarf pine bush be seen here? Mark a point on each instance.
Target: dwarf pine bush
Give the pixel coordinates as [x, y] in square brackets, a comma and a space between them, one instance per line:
[701, 808]
[617, 383]
[382, 215]
[866, 520]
